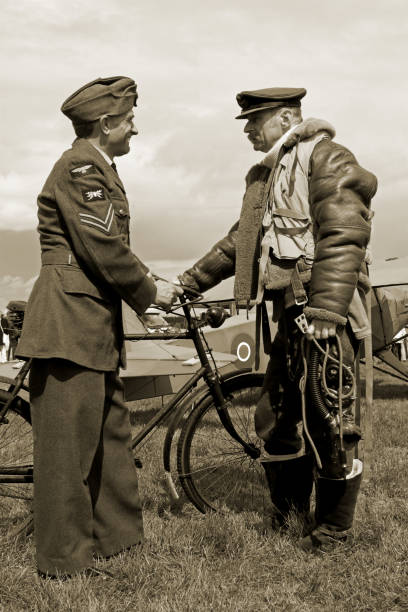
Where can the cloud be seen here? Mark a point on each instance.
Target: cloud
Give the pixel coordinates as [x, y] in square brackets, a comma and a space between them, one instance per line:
[169, 269]
[14, 288]
[184, 176]
[18, 210]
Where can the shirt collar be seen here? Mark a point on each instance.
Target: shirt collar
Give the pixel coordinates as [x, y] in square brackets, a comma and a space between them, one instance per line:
[106, 157]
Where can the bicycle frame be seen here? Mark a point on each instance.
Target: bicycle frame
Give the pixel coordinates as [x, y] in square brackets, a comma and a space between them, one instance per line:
[206, 372]
[177, 405]
[16, 385]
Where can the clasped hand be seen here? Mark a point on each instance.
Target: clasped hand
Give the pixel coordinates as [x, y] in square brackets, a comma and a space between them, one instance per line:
[167, 294]
[320, 329]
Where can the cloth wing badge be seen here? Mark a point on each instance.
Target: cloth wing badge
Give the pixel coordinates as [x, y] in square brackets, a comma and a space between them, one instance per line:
[82, 171]
[97, 194]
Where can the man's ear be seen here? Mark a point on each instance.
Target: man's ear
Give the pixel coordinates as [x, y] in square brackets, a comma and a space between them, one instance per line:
[104, 124]
[286, 118]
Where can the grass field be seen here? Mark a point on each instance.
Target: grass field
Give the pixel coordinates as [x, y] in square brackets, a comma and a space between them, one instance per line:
[196, 562]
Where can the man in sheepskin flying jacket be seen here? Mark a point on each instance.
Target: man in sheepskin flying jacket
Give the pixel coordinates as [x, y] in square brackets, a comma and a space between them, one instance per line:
[300, 243]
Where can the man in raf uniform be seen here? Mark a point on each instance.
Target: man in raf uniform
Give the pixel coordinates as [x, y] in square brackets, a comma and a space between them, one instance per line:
[300, 243]
[86, 499]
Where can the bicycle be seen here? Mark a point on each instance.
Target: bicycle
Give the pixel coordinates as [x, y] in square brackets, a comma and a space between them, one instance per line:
[218, 452]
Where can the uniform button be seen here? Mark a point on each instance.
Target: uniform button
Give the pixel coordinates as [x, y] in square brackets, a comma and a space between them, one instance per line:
[121, 211]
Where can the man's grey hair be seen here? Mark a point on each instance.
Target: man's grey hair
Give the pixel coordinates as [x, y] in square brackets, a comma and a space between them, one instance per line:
[84, 130]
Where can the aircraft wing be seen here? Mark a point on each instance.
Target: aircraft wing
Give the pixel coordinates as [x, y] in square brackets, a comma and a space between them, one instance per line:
[237, 336]
[156, 367]
[388, 272]
[153, 368]
[159, 367]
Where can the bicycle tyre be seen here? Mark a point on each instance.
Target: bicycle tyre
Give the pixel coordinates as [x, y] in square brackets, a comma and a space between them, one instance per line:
[16, 451]
[214, 470]
[5, 381]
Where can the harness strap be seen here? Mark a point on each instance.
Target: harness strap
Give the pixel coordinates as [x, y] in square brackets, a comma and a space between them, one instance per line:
[291, 214]
[267, 458]
[257, 334]
[292, 231]
[262, 322]
[298, 289]
[288, 212]
[368, 409]
[293, 171]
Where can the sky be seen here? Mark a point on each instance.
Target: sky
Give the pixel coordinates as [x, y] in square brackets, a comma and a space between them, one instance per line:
[185, 173]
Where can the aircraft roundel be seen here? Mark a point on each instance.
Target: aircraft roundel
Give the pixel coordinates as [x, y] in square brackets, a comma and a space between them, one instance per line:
[243, 346]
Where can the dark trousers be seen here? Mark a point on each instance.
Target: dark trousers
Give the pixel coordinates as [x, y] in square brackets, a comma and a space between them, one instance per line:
[86, 499]
[279, 408]
[11, 349]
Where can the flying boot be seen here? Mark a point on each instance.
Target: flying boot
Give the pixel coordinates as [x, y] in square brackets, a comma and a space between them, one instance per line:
[335, 505]
[290, 484]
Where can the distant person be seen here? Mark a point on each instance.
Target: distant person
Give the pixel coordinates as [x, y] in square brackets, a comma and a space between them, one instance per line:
[13, 340]
[86, 499]
[4, 327]
[2, 344]
[15, 315]
[10, 330]
[300, 243]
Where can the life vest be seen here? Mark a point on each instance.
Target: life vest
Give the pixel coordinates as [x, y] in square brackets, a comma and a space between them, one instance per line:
[287, 223]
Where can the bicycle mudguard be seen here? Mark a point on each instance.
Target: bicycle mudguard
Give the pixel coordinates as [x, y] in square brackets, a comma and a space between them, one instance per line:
[196, 397]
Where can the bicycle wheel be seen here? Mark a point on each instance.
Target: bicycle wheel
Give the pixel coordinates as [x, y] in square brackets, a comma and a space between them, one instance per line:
[214, 470]
[16, 452]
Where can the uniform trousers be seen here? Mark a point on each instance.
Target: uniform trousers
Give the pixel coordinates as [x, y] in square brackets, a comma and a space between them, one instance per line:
[86, 498]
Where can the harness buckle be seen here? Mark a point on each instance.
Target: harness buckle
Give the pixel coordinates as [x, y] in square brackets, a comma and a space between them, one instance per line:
[302, 323]
[301, 301]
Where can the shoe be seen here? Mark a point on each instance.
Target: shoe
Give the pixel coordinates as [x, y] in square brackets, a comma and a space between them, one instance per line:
[324, 540]
[97, 572]
[89, 572]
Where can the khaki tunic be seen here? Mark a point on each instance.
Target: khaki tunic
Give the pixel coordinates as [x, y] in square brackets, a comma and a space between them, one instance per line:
[74, 311]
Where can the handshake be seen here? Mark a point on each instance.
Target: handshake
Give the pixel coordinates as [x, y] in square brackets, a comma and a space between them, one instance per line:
[167, 293]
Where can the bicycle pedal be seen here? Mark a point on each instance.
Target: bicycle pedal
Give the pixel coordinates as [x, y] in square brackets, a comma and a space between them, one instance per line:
[138, 463]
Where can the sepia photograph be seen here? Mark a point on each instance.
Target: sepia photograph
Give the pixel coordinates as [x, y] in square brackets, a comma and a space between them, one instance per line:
[204, 306]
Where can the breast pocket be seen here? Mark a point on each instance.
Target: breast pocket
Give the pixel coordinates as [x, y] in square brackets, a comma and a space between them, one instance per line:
[122, 216]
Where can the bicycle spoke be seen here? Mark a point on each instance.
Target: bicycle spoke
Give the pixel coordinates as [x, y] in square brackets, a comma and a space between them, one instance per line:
[215, 470]
[16, 450]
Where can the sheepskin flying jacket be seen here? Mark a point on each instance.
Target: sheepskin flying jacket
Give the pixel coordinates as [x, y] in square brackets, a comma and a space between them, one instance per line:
[339, 193]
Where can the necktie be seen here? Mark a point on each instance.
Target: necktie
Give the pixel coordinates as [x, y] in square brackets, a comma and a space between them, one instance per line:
[113, 165]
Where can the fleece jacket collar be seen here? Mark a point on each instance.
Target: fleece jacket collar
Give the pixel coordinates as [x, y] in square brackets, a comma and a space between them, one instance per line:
[307, 129]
